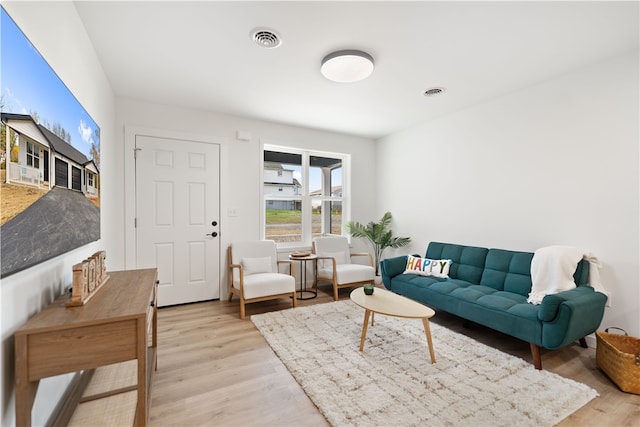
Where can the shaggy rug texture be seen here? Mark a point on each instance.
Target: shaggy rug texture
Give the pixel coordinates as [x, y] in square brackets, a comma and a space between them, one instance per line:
[393, 383]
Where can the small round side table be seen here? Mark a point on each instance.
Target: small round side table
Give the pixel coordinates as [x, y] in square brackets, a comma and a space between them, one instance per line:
[305, 293]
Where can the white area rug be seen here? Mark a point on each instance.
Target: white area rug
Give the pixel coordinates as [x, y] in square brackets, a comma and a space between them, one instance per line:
[393, 383]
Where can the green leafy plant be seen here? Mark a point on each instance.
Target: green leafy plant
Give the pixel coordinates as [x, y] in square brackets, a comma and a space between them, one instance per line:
[379, 236]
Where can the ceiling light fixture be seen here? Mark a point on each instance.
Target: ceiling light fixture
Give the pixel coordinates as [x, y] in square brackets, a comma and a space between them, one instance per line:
[346, 66]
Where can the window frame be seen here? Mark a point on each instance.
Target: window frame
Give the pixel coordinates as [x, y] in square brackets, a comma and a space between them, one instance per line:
[33, 155]
[305, 198]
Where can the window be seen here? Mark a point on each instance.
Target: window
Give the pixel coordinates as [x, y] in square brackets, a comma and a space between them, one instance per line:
[33, 156]
[90, 179]
[304, 194]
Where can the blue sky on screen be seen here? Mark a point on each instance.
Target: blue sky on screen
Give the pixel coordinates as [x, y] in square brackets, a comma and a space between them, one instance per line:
[30, 85]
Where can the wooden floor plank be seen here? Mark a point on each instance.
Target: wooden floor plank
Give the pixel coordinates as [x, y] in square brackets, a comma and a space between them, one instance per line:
[215, 369]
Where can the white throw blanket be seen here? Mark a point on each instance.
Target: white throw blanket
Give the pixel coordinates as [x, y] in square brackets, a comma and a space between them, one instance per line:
[552, 271]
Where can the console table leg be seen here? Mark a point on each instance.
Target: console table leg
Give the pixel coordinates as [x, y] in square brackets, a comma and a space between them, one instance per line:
[25, 395]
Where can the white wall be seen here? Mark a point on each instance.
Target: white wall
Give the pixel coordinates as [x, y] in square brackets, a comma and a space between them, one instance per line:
[57, 33]
[555, 163]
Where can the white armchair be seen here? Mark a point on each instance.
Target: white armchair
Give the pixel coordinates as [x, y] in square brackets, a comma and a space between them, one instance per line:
[254, 274]
[334, 264]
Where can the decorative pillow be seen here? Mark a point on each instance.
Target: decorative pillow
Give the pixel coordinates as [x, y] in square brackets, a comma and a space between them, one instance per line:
[256, 265]
[340, 257]
[427, 267]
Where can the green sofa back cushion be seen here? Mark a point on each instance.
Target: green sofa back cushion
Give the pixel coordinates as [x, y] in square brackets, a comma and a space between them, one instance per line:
[467, 261]
[508, 271]
[581, 276]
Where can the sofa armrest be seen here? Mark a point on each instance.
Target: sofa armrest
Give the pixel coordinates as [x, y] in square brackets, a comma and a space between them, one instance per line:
[550, 305]
[579, 313]
[391, 267]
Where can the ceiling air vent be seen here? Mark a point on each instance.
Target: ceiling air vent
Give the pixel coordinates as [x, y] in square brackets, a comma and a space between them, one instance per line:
[266, 38]
[434, 91]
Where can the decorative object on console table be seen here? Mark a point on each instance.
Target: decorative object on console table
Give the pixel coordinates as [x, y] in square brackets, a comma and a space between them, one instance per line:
[379, 236]
[368, 289]
[88, 278]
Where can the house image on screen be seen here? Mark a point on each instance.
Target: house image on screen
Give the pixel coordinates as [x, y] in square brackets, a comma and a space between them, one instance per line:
[45, 160]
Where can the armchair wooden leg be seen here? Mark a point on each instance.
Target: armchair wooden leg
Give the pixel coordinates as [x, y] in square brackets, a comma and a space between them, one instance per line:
[295, 300]
[335, 292]
[242, 309]
[535, 354]
[230, 296]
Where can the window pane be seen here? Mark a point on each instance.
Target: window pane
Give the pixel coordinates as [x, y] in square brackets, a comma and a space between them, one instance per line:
[336, 182]
[282, 173]
[328, 223]
[321, 175]
[283, 221]
[316, 219]
[336, 217]
[315, 182]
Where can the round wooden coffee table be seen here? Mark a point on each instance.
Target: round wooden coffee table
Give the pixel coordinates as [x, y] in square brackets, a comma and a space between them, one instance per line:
[385, 302]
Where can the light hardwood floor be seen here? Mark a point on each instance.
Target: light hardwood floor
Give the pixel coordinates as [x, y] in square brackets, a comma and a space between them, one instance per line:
[217, 370]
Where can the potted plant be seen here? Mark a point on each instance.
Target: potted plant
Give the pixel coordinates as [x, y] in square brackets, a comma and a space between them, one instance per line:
[379, 236]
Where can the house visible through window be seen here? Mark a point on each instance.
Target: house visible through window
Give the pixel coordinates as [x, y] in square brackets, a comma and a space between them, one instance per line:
[303, 195]
[33, 156]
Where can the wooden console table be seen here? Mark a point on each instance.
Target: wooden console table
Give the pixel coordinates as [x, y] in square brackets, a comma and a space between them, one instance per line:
[113, 327]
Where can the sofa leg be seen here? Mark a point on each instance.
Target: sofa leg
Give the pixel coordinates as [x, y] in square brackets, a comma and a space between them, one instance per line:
[465, 323]
[535, 354]
[583, 343]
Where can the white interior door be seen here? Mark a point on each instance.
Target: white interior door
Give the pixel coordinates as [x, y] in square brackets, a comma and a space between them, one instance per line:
[177, 216]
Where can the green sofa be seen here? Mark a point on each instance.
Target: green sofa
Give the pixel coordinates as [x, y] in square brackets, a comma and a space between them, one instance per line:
[490, 287]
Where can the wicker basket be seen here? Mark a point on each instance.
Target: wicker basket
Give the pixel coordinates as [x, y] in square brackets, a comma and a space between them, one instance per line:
[619, 357]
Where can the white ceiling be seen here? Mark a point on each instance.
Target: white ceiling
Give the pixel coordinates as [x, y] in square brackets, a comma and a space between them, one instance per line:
[200, 54]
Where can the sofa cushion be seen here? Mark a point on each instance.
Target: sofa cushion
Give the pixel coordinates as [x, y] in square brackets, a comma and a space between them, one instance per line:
[419, 281]
[427, 267]
[508, 271]
[263, 284]
[472, 293]
[448, 286]
[467, 261]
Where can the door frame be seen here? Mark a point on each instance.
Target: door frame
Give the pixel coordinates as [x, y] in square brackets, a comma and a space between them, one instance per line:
[130, 134]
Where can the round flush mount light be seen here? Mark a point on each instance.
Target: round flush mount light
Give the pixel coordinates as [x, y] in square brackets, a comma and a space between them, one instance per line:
[346, 66]
[266, 37]
[434, 91]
